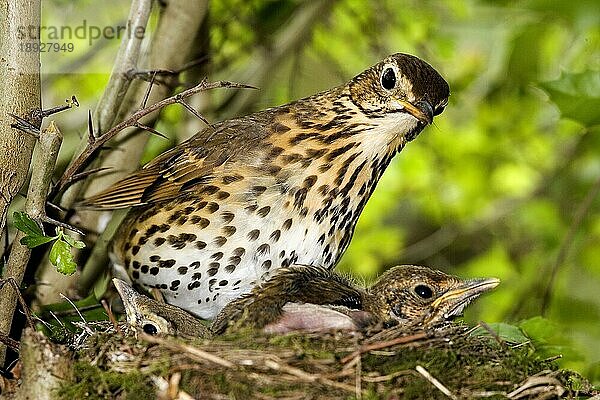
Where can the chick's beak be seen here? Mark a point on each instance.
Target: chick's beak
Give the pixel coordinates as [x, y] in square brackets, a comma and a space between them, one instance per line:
[453, 302]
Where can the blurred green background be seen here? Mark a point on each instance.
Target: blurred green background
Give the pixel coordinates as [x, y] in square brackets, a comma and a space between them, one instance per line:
[504, 184]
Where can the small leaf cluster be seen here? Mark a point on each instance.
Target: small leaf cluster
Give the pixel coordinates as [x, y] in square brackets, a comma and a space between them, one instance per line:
[60, 253]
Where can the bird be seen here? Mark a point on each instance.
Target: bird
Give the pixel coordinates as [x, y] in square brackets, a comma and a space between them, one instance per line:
[221, 212]
[316, 299]
[154, 318]
[406, 295]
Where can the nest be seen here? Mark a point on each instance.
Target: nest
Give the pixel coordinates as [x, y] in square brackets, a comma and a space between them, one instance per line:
[448, 362]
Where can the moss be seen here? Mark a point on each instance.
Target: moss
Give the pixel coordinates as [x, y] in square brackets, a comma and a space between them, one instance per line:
[92, 382]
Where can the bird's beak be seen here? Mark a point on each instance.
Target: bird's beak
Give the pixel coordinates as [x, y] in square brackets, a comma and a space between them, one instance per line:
[453, 302]
[127, 294]
[421, 110]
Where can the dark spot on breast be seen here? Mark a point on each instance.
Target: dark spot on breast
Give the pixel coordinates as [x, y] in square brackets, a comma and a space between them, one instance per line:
[264, 211]
[325, 167]
[278, 127]
[229, 268]
[193, 285]
[275, 235]
[229, 230]
[182, 270]
[299, 198]
[213, 268]
[217, 256]
[164, 227]
[175, 284]
[266, 265]
[239, 251]
[211, 283]
[154, 271]
[315, 153]
[135, 250]
[251, 208]
[275, 151]
[208, 190]
[227, 179]
[223, 283]
[263, 249]
[152, 230]
[132, 233]
[235, 260]
[200, 244]
[253, 234]
[166, 263]
[127, 246]
[136, 265]
[291, 158]
[222, 195]
[195, 265]
[144, 269]
[323, 189]
[310, 181]
[212, 207]
[258, 190]
[188, 210]
[135, 275]
[182, 220]
[273, 169]
[175, 216]
[154, 258]
[197, 276]
[287, 224]
[227, 216]
[201, 205]
[220, 240]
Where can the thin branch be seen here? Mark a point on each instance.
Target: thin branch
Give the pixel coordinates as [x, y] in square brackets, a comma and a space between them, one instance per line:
[85, 157]
[567, 242]
[10, 280]
[42, 169]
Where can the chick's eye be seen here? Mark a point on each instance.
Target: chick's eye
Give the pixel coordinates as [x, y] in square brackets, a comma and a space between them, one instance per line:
[150, 329]
[423, 291]
[388, 79]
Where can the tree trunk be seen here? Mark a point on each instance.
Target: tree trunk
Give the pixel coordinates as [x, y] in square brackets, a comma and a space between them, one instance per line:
[19, 95]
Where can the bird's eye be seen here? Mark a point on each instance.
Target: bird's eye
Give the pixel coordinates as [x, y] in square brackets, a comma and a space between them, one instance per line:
[423, 291]
[150, 329]
[388, 78]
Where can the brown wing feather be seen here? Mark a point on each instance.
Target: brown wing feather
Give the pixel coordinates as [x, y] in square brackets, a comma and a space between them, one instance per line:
[185, 168]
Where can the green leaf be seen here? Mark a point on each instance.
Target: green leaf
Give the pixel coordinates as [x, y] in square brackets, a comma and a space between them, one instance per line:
[25, 224]
[506, 332]
[577, 96]
[78, 244]
[34, 241]
[61, 257]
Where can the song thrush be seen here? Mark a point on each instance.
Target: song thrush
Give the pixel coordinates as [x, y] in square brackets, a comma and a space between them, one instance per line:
[308, 298]
[222, 211]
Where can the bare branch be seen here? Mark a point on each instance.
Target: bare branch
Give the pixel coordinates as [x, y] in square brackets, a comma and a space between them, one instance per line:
[85, 157]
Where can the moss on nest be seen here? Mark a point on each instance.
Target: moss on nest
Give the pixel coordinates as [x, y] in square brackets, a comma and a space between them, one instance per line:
[324, 366]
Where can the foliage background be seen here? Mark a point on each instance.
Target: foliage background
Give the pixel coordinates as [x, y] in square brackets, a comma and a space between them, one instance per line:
[504, 184]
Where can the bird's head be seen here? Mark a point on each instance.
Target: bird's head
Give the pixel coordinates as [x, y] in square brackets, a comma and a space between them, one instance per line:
[156, 318]
[402, 91]
[411, 294]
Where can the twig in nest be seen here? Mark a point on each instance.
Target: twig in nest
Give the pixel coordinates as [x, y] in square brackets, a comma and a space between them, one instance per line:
[84, 158]
[277, 365]
[190, 351]
[435, 382]
[382, 345]
[111, 316]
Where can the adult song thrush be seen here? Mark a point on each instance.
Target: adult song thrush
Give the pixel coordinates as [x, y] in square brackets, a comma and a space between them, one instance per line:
[219, 213]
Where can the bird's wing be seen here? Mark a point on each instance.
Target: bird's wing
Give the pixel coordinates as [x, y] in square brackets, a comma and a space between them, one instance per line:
[185, 168]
